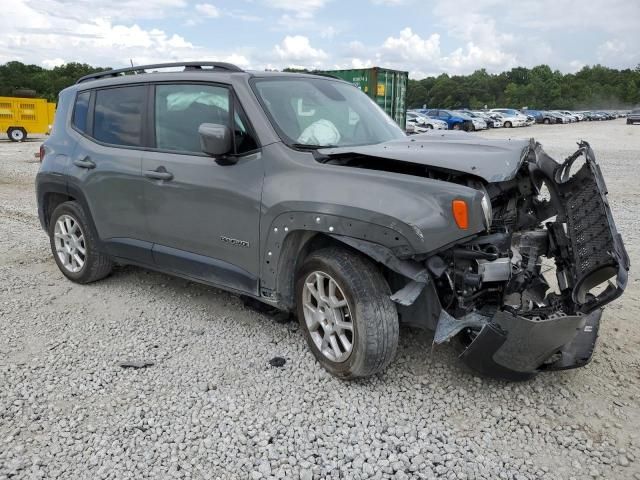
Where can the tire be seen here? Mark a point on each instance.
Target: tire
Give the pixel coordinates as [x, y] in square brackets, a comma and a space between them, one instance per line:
[455, 126]
[95, 265]
[430, 127]
[629, 122]
[369, 309]
[546, 121]
[17, 134]
[507, 125]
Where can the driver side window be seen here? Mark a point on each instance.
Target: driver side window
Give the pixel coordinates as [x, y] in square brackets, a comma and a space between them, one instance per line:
[180, 109]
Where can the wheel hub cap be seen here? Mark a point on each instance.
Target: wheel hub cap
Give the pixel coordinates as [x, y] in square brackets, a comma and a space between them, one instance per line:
[327, 316]
[69, 243]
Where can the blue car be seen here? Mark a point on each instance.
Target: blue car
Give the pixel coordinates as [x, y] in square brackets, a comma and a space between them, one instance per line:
[454, 120]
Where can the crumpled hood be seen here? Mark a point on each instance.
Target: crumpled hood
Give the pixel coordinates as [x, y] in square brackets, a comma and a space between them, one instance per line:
[492, 160]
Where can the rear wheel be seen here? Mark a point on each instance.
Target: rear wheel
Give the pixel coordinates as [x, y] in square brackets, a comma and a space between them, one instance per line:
[546, 121]
[74, 247]
[456, 126]
[429, 126]
[507, 124]
[346, 314]
[17, 134]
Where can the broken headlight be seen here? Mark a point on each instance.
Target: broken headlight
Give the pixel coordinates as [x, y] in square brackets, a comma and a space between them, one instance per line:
[486, 209]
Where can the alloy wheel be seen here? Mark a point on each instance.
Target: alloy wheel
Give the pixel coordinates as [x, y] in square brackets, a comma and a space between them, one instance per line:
[69, 243]
[328, 317]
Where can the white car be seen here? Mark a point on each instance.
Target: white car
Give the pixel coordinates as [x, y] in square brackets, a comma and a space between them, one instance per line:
[422, 122]
[491, 121]
[509, 121]
[511, 117]
[572, 116]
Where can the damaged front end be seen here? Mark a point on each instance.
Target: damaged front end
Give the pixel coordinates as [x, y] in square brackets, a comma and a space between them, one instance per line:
[527, 295]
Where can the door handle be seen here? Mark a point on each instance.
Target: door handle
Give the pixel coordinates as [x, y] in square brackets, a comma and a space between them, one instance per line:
[86, 162]
[159, 173]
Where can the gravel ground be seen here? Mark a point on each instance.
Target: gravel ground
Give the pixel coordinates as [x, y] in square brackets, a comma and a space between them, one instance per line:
[211, 406]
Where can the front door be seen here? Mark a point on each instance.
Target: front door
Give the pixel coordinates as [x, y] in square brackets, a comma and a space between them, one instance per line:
[203, 215]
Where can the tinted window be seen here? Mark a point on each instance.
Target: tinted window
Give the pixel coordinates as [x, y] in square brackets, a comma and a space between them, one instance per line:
[118, 115]
[80, 111]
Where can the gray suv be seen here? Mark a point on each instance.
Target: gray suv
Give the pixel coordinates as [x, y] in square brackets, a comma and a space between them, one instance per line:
[299, 191]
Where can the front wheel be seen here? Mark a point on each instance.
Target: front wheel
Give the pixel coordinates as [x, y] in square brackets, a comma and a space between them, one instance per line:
[74, 246]
[346, 313]
[456, 126]
[507, 124]
[546, 121]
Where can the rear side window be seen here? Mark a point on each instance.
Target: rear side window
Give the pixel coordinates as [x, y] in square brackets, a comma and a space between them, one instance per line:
[118, 115]
[80, 111]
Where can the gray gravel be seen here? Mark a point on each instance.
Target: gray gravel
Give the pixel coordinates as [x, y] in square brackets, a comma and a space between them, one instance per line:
[200, 399]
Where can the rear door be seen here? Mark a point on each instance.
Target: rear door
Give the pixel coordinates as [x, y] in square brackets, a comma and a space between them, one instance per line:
[106, 166]
[202, 214]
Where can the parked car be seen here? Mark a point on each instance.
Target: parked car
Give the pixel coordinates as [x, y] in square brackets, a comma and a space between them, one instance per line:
[512, 117]
[508, 120]
[454, 120]
[558, 117]
[426, 122]
[491, 121]
[572, 116]
[183, 172]
[478, 123]
[566, 118]
[541, 116]
[633, 117]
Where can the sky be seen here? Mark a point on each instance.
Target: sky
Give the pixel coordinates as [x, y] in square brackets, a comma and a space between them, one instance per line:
[424, 37]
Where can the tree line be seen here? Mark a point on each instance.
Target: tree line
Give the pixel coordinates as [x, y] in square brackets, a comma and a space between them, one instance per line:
[537, 88]
[47, 83]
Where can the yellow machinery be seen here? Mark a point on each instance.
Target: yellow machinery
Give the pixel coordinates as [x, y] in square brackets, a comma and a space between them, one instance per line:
[20, 117]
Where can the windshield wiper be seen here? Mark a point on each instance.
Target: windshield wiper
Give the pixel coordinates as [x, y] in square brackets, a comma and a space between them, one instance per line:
[307, 146]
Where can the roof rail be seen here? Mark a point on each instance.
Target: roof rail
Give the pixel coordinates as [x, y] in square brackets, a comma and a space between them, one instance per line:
[228, 67]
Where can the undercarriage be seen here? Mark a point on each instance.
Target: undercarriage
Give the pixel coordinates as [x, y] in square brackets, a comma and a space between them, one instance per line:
[527, 296]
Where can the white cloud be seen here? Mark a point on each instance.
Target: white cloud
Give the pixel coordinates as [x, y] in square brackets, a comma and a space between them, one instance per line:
[411, 47]
[207, 10]
[297, 49]
[46, 38]
[53, 62]
[618, 53]
[301, 8]
[392, 3]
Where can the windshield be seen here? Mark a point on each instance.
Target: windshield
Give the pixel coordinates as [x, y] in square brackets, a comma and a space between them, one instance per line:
[318, 112]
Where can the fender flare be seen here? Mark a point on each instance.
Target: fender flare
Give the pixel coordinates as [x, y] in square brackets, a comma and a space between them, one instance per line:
[290, 232]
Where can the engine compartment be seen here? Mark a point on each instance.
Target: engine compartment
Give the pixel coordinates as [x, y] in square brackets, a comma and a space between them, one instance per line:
[525, 293]
[551, 251]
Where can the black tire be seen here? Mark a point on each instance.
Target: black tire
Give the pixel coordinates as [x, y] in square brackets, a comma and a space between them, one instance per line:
[455, 126]
[373, 313]
[17, 134]
[96, 264]
[629, 122]
[429, 126]
[507, 125]
[546, 121]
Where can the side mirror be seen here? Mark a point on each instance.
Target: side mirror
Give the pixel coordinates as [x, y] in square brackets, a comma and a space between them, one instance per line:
[215, 139]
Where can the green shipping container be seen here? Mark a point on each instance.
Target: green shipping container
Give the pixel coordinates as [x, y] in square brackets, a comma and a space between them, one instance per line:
[388, 88]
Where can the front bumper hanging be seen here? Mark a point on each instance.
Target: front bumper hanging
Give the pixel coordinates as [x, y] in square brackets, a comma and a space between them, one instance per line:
[516, 347]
